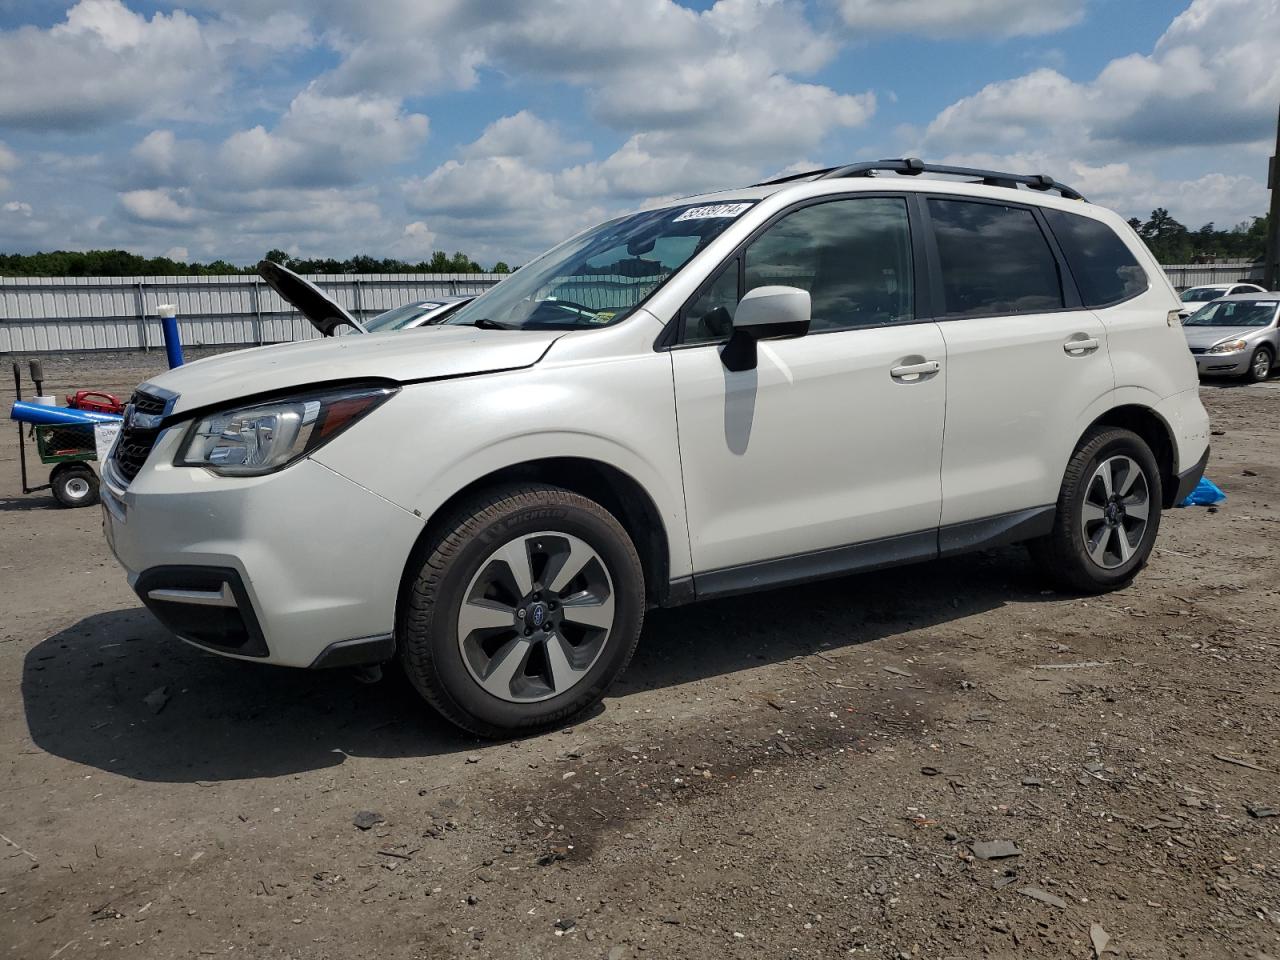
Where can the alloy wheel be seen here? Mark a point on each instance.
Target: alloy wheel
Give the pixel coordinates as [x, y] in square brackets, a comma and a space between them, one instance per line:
[1261, 365]
[536, 616]
[1117, 506]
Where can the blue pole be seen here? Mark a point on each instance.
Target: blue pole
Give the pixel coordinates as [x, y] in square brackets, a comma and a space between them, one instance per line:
[172, 342]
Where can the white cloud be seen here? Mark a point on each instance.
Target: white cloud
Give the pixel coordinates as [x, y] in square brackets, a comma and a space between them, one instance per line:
[952, 19]
[523, 135]
[162, 207]
[105, 63]
[181, 254]
[321, 141]
[1213, 79]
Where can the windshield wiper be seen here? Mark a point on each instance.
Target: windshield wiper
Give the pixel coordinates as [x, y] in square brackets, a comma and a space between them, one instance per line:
[484, 323]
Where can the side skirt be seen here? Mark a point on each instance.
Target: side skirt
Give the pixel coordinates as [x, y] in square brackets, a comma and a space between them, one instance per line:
[951, 540]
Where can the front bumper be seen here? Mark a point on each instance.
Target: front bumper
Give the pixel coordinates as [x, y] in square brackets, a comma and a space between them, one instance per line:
[1223, 364]
[299, 568]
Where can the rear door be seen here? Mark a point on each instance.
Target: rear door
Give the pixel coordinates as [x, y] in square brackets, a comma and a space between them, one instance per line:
[1024, 360]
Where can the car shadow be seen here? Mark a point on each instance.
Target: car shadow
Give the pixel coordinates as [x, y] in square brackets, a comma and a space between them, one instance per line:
[86, 689]
[30, 501]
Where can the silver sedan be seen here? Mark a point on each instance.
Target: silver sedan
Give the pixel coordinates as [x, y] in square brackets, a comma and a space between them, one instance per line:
[1236, 336]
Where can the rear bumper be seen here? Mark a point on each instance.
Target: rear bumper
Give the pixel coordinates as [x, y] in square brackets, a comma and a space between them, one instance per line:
[1188, 479]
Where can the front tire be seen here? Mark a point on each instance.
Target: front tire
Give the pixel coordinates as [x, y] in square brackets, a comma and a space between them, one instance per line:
[525, 607]
[1260, 365]
[1108, 513]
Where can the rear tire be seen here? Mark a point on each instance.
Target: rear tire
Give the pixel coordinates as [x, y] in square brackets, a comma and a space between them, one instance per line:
[525, 607]
[1108, 513]
[1260, 365]
[74, 485]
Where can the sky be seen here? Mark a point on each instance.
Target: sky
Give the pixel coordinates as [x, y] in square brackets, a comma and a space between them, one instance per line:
[225, 128]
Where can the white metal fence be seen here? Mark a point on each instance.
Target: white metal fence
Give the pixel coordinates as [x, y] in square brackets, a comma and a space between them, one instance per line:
[55, 314]
[52, 314]
[1183, 275]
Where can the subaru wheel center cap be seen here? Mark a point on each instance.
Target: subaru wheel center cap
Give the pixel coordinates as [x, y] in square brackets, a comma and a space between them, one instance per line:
[538, 614]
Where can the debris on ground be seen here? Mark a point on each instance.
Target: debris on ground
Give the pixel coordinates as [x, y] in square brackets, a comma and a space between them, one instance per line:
[157, 699]
[994, 849]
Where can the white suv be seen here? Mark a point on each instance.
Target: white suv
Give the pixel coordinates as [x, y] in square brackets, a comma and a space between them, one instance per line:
[834, 372]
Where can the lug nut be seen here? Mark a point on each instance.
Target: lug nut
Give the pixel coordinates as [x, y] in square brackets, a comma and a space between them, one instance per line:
[520, 614]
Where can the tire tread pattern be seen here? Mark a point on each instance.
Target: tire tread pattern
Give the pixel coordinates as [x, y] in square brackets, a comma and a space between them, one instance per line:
[468, 521]
[1060, 552]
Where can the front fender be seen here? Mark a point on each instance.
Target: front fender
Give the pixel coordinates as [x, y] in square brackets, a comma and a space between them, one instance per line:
[434, 439]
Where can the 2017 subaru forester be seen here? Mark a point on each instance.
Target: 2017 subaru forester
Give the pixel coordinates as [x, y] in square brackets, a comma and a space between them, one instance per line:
[846, 369]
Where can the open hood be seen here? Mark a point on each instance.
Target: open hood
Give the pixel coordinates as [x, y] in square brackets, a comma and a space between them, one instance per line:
[325, 313]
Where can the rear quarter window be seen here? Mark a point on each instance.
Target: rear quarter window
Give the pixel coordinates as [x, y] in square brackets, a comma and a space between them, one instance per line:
[1105, 270]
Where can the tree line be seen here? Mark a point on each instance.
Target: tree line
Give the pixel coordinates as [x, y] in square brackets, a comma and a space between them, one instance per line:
[1172, 242]
[121, 263]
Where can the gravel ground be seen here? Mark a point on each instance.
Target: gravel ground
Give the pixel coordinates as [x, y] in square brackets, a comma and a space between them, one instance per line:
[822, 771]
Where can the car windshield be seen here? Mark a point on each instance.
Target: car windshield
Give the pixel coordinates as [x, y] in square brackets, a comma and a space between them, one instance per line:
[1198, 294]
[1234, 313]
[603, 274]
[399, 317]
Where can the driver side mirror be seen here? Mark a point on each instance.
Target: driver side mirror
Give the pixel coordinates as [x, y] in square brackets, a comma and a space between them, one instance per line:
[765, 313]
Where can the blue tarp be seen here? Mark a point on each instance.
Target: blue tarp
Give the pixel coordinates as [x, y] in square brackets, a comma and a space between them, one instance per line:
[1205, 494]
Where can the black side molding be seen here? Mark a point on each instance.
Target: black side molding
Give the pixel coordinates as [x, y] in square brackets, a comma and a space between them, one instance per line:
[948, 541]
[957, 538]
[821, 565]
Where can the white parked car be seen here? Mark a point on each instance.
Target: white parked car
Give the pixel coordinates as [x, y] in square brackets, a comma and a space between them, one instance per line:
[835, 372]
[1196, 297]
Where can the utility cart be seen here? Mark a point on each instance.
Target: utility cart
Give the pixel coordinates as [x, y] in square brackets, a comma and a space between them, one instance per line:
[66, 438]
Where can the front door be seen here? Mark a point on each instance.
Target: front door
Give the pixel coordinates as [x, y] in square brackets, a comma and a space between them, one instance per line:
[826, 456]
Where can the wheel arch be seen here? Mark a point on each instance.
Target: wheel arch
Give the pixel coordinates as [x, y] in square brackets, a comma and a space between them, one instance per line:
[1151, 427]
[614, 489]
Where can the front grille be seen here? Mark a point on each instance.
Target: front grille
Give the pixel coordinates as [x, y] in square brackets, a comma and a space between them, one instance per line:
[146, 403]
[136, 442]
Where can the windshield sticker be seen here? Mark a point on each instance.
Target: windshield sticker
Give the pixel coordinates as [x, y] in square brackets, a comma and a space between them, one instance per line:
[1267, 303]
[715, 211]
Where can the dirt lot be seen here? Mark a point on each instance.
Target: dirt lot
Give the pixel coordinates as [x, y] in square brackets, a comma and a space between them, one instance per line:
[804, 773]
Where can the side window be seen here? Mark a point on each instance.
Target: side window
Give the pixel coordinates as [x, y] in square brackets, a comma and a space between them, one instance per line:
[994, 260]
[709, 317]
[1104, 268]
[853, 256]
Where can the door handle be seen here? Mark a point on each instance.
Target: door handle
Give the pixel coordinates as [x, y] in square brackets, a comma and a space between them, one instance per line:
[916, 370]
[1079, 346]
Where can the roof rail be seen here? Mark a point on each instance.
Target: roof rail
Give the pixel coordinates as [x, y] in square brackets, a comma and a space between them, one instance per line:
[912, 166]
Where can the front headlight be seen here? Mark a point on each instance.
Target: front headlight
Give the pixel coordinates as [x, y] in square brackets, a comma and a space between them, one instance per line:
[258, 439]
[1227, 346]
